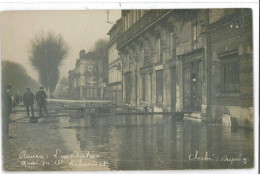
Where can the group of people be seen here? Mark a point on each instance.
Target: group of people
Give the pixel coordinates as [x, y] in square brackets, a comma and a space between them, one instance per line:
[28, 100]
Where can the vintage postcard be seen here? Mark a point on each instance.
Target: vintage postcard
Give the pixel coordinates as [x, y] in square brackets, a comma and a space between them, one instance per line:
[127, 89]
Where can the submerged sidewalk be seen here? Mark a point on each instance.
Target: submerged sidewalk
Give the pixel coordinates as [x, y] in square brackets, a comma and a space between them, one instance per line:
[44, 146]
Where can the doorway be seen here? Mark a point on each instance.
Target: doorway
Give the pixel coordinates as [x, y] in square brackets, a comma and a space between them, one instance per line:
[192, 84]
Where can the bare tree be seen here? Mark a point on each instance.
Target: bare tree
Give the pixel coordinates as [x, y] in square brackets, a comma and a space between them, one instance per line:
[46, 55]
[98, 72]
[101, 66]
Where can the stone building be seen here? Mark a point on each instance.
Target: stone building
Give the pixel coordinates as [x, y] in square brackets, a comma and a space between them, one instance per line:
[230, 61]
[85, 80]
[173, 60]
[115, 64]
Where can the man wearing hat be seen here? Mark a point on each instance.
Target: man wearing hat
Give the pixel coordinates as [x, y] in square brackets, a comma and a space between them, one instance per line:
[28, 100]
[41, 100]
[6, 110]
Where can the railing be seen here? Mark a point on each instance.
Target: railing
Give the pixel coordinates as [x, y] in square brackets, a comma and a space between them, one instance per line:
[148, 18]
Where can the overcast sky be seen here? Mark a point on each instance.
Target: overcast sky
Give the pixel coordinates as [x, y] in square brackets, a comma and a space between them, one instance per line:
[80, 30]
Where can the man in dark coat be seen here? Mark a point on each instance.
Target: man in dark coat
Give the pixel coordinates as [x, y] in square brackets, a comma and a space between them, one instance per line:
[41, 100]
[6, 110]
[28, 100]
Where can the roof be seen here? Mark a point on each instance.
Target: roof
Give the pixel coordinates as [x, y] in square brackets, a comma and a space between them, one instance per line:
[114, 27]
[91, 55]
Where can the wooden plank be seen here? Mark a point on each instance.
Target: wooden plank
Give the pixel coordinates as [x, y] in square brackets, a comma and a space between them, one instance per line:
[78, 101]
[151, 113]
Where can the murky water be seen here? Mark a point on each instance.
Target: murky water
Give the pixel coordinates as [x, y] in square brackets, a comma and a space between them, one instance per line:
[160, 142]
[128, 142]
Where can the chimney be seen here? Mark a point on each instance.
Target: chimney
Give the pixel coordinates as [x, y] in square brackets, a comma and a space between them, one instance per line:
[82, 54]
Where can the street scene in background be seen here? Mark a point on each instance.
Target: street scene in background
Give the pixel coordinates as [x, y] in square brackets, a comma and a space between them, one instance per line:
[144, 89]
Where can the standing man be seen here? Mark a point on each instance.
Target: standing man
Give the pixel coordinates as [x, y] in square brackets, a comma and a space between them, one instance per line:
[6, 110]
[41, 99]
[28, 100]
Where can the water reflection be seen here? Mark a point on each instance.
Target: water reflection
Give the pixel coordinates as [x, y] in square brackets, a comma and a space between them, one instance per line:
[141, 142]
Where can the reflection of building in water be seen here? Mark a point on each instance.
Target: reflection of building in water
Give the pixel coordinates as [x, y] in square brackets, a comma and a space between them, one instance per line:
[85, 81]
[161, 143]
[189, 60]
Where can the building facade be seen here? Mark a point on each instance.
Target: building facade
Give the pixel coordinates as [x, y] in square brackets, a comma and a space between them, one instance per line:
[172, 60]
[115, 66]
[231, 65]
[85, 80]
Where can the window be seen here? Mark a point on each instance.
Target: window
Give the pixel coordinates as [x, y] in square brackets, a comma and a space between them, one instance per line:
[173, 46]
[160, 50]
[159, 87]
[126, 23]
[186, 32]
[138, 14]
[230, 72]
[143, 86]
[88, 93]
[91, 92]
[128, 87]
[95, 92]
[134, 16]
[194, 32]
[130, 17]
[142, 12]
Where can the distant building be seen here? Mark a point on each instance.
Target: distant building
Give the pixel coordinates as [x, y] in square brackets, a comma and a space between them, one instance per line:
[194, 60]
[85, 80]
[115, 65]
[62, 90]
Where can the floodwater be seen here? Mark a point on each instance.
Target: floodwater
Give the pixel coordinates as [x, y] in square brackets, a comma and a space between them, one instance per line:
[129, 142]
[161, 142]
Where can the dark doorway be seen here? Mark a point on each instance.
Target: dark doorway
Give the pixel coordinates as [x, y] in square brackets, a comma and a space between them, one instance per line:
[192, 81]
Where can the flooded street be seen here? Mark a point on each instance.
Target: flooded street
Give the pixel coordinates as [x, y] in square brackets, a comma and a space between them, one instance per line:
[159, 142]
[129, 87]
[125, 142]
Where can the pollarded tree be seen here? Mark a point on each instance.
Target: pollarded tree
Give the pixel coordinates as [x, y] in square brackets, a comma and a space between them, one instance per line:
[46, 55]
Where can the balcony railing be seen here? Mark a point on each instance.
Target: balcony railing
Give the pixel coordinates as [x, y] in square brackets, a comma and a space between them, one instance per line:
[149, 17]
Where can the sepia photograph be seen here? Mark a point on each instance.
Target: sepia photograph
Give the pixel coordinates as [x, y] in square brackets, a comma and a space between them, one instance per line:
[127, 89]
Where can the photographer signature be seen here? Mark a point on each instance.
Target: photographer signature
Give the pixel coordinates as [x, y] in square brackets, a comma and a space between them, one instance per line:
[225, 158]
